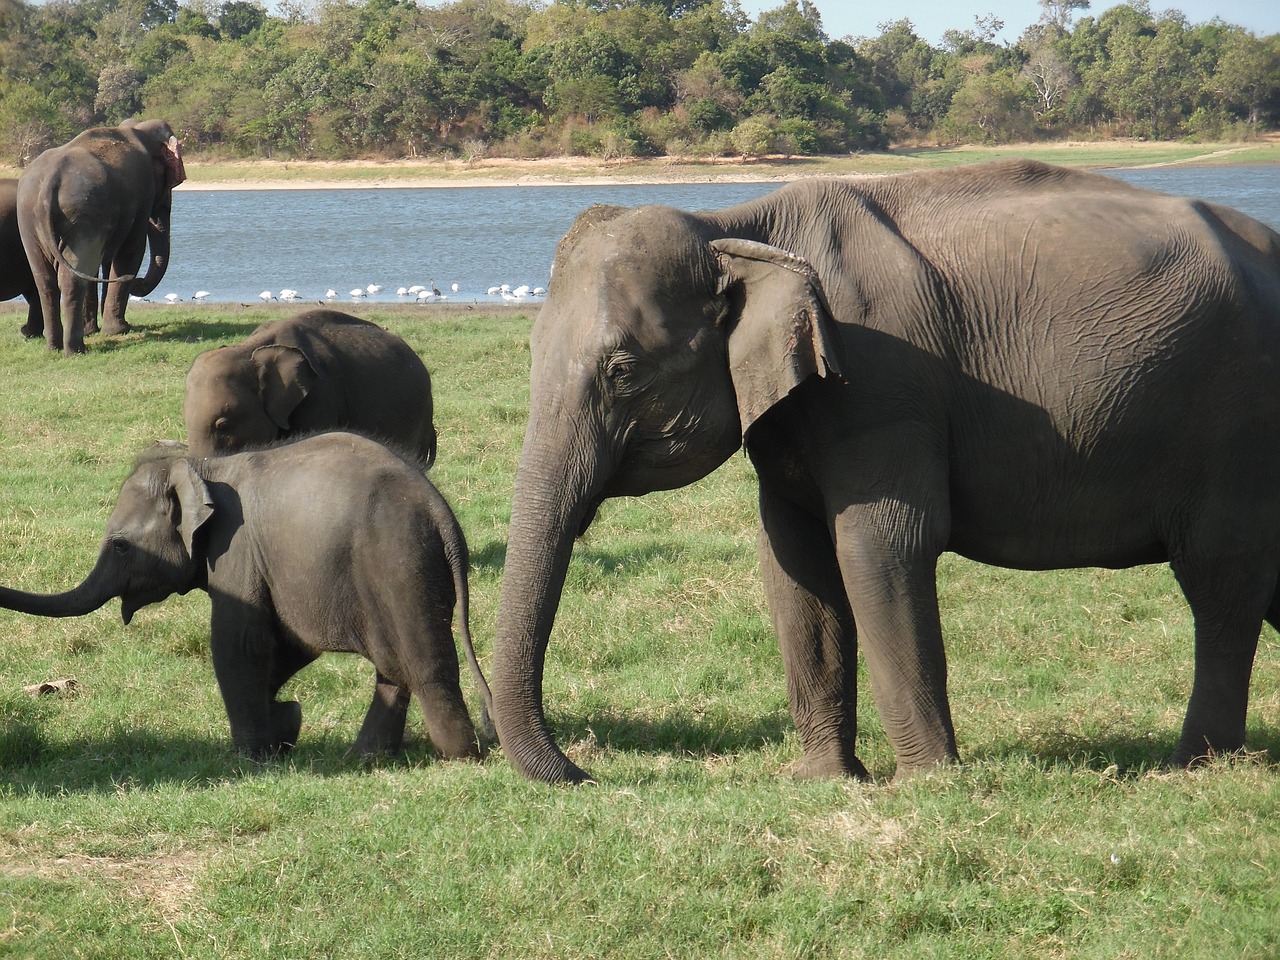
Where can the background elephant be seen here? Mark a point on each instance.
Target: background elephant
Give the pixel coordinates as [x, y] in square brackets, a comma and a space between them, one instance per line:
[1030, 366]
[319, 370]
[15, 273]
[97, 203]
[329, 543]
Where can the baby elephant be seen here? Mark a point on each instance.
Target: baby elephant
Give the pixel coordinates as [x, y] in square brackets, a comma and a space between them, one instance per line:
[319, 370]
[326, 543]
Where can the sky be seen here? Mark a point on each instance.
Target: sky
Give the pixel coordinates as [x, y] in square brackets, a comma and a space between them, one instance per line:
[931, 18]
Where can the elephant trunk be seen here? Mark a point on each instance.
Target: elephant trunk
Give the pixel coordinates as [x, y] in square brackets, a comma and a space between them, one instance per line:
[76, 602]
[548, 508]
[157, 250]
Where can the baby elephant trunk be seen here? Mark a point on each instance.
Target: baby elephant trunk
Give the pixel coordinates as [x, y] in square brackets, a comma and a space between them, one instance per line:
[76, 602]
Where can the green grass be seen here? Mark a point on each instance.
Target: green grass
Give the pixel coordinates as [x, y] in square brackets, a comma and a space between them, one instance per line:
[129, 829]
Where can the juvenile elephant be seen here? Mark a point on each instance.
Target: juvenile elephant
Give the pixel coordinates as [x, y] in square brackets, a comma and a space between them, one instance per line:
[1030, 366]
[15, 273]
[328, 543]
[97, 203]
[319, 370]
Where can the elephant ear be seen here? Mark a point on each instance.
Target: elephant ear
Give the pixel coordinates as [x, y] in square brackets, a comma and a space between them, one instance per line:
[285, 377]
[195, 505]
[781, 331]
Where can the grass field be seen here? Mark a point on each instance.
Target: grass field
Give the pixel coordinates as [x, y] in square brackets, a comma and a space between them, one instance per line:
[129, 829]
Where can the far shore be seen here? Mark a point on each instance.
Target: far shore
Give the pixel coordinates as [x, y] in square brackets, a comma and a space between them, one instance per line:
[584, 171]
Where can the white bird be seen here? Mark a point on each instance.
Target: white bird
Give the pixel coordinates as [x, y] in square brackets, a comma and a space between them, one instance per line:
[508, 295]
[402, 291]
[373, 288]
[357, 293]
[424, 295]
[172, 297]
[505, 288]
[493, 291]
[331, 294]
[453, 287]
[289, 295]
[539, 291]
[416, 289]
[522, 290]
[200, 295]
[266, 295]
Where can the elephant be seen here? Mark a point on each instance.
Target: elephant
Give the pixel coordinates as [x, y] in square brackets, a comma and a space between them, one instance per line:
[330, 542]
[1027, 365]
[15, 273]
[321, 369]
[96, 204]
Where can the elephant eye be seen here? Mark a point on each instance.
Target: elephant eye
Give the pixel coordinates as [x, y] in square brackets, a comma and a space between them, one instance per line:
[627, 372]
[120, 546]
[220, 424]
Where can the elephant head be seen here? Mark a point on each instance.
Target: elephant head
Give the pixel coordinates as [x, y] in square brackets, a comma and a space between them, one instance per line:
[167, 170]
[659, 346]
[149, 549]
[232, 403]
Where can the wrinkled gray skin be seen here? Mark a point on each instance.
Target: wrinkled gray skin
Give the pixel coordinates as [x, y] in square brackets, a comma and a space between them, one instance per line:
[1033, 367]
[95, 204]
[15, 273]
[319, 370]
[328, 543]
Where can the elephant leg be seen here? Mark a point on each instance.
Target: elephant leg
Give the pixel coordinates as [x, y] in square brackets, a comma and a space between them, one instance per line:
[1228, 600]
[888, 556]
[76, 307]
[115, 298]
[286, 716]
[816, 634]
[430, 669]
[34, 327]
[239, 643]
[383, 728]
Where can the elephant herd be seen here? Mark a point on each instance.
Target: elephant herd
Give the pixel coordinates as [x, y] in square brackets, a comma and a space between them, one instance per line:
[1030, 366]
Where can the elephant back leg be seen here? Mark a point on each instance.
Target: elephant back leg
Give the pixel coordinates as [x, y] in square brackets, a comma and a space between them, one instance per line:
[78, 306]
[115, 298]
[419, 648]
[1229, 597]
[383, 728]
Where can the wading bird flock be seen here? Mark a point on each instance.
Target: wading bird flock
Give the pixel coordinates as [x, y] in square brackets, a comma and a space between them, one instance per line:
[419, 293]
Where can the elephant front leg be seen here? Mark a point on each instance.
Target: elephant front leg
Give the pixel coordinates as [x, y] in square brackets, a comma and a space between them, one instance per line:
[890, 575]
[383, 728]
[242, 663]
[816, 635]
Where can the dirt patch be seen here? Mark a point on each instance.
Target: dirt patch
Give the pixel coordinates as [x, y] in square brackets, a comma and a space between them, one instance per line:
[164, 884]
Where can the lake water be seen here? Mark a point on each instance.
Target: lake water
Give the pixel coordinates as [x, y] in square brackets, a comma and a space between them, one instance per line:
[237, 243]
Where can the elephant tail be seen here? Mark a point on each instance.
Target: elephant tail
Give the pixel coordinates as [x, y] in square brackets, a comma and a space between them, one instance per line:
[62, 258]
[459, 561]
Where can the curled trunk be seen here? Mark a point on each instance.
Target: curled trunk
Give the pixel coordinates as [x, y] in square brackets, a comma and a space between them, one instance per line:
[157, 255]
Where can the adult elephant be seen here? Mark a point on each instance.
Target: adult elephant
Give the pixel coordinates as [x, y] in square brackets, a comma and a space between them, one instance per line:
[97, 203]
[322, 369]
[1030, 366]
[15, 273]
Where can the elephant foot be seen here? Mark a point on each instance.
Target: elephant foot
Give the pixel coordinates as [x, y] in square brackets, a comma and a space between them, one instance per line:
[286, 722]
[113, 329]
[827, 767]
[91, 327]
[30, 332]
[1201, 754]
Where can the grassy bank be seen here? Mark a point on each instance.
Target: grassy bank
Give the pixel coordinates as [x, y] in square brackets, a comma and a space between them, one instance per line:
[1120, 153]
[128, 829]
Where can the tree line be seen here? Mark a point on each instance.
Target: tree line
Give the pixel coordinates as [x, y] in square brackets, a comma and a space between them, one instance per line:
[335, 79]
